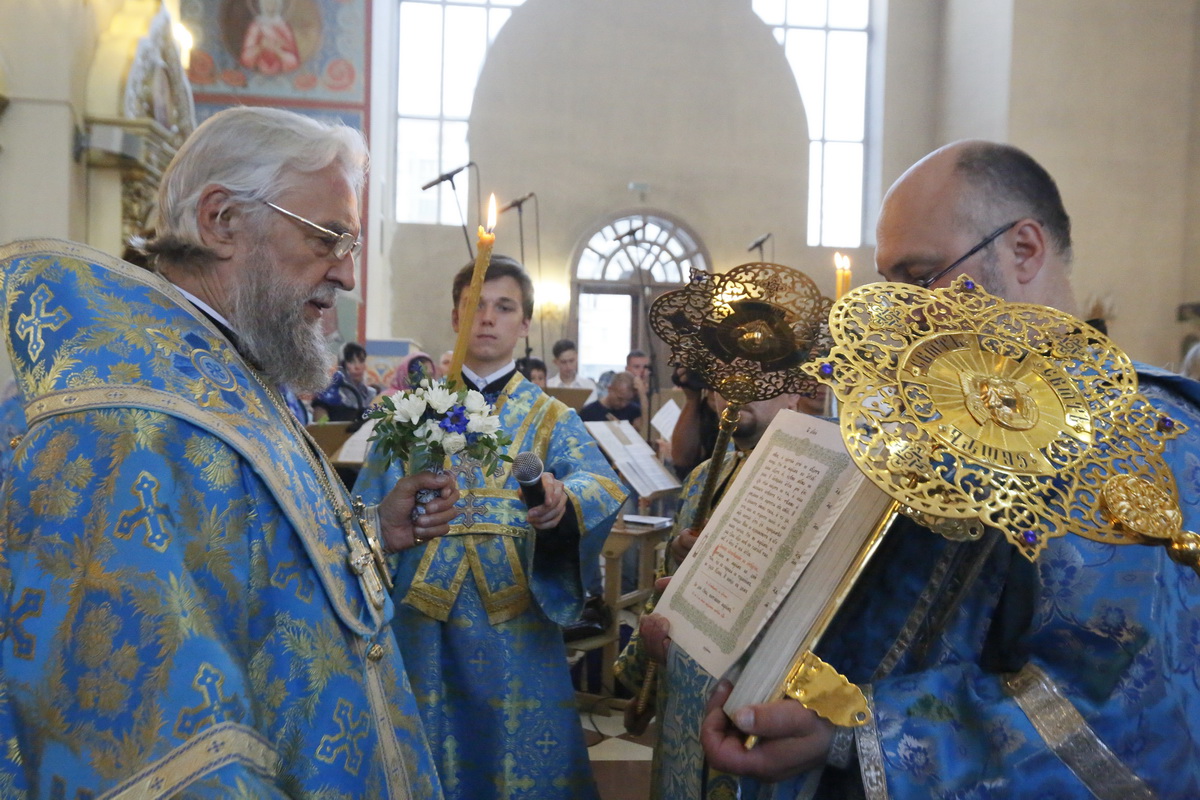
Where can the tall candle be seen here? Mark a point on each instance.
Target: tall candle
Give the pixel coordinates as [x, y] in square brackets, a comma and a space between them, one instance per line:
[466, 313]
[842, 265]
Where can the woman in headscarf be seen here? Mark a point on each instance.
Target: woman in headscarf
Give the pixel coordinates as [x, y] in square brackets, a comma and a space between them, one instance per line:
[410, 371]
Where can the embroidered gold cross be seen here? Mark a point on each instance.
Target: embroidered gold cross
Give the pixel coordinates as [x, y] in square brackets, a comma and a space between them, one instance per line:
[30, 326]
[149, 513]
[24, 644]
[351, 730]
[288, 571]
[214, 708]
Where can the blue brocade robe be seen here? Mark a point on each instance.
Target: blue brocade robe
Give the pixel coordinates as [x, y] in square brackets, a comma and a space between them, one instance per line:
[952, 642]
[479, 613]
[178, 611]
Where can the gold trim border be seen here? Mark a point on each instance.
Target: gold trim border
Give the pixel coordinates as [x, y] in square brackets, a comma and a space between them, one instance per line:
[222, 744]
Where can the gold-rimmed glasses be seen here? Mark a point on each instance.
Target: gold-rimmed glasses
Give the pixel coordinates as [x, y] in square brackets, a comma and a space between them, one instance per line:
[340, 244]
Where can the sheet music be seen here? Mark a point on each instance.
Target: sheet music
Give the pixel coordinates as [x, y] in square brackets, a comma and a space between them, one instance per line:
[665, 419]
[632, 457]
[354, 449]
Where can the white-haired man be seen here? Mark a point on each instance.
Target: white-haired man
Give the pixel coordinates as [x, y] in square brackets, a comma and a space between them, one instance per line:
[192, 603]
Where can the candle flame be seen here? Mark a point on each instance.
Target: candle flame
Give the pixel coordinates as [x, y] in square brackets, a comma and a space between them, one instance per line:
[491, 215]
[841, 262]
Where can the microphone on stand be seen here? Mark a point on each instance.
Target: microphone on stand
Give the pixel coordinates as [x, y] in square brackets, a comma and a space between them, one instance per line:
[445, 176]
[527, 469]
[759, 242]
[520, 201]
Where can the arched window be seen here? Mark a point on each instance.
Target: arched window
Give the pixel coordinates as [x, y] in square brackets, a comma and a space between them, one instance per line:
[441, 49]
[619, 270]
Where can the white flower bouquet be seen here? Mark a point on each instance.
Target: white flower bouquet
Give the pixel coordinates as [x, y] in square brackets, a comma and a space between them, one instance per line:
[424, 425]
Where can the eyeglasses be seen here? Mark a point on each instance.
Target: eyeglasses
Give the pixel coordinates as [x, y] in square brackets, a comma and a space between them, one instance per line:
[930, 280]
[340, 244]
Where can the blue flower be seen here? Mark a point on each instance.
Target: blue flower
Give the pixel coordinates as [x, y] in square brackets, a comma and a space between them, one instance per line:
[455, 421]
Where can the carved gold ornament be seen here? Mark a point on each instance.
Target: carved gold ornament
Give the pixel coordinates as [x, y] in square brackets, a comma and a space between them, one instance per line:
[965, 407]
[746, 332]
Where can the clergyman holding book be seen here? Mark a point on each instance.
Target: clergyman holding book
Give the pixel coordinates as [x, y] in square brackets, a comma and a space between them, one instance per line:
[989, 675]
[678, 759]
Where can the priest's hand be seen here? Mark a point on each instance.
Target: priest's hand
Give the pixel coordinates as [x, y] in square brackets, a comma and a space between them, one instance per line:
[792, 739]
[682, 544]
[550, 512]
[396, 525]
[655, 630]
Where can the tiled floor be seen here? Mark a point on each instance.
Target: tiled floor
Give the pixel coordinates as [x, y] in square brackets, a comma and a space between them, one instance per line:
[620, 761]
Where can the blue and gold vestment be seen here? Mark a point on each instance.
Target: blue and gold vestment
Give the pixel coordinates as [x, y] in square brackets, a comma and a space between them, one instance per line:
[991, 677]
[179, 612]
[478, 612]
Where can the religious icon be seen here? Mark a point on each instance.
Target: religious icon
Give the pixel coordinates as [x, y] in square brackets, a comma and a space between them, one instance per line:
[269, 45]
[271, 37]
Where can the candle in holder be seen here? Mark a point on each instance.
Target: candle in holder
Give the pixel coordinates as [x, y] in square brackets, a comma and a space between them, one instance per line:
[842, 264]
[466, 315]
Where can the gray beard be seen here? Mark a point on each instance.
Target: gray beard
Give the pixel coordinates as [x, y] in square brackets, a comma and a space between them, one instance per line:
[268, 317]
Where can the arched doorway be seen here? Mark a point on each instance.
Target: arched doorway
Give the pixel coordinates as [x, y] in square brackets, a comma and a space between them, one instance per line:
[622, 266]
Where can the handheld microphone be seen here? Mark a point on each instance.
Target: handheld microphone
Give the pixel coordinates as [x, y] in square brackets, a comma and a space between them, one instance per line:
[527, 469]
[520, 201]
[445, 176]
[758, 242]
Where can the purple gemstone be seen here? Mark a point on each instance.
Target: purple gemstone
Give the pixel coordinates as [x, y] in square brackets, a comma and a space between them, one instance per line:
[969, 285]
[1029, 537]
[1166, 424]
[827, 368]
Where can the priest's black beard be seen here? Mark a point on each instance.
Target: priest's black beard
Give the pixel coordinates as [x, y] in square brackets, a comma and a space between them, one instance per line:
[268, 317]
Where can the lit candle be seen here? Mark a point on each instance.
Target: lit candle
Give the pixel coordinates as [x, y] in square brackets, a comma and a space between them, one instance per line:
[842, 264]
[466, 314]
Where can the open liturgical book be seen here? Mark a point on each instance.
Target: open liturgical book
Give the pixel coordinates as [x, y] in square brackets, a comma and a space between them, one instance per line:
[632, 457]
[778, 554]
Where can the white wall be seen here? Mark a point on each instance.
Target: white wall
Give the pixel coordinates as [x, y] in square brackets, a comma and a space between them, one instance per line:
[579, 98]
[1103, 93]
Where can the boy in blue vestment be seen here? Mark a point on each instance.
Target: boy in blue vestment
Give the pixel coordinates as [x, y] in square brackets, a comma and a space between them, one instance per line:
[479, 611]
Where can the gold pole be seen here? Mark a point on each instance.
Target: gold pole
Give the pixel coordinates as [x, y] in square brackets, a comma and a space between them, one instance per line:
[729, 418]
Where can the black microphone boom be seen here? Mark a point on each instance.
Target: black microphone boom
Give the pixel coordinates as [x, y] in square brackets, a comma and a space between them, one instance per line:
[520, 201]
[759, 242]
[527, 468]
[445, 176]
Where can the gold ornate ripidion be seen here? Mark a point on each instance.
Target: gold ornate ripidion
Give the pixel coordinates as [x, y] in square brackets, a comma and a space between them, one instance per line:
[970, 409]
[748, 331]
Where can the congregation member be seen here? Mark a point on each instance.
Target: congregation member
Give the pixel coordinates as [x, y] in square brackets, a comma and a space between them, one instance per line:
[444, 363]
[191, 603]
[637, 364]
[566, 360]
[618, 403]
[412, 369]
[479, 612]
[989, 675]
[534, 369]
[348, 396]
